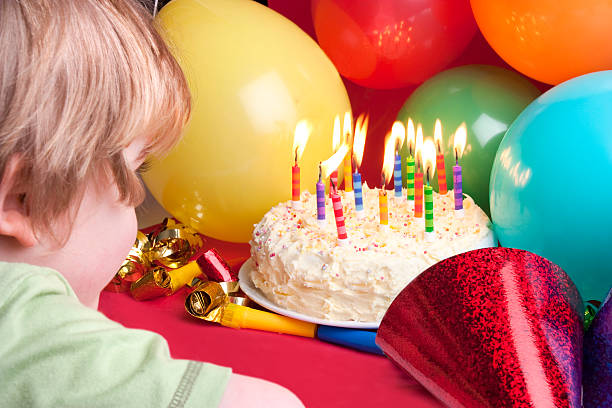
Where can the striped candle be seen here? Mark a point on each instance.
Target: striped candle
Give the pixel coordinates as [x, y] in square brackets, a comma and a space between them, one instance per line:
[320, 200]
[358, 193]
[333, 181]
[418, 194]
[441, 167]
[348, 173]
[410, 177]
[339, 215]
[295, 185]
[397, 175]
[383, 206]
[429, 215]
[457, 186]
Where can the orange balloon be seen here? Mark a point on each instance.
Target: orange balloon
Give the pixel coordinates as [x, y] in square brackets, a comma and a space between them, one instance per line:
[549, 40]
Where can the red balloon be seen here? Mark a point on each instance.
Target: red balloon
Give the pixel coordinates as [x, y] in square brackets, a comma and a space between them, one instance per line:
[297, 11]
[388, 44]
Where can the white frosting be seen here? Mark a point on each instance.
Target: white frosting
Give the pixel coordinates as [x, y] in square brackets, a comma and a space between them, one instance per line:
[299, 264]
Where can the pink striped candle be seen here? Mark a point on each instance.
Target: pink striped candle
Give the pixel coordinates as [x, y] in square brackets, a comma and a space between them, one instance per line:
[333, 181]
[295, 185]
[339, 215]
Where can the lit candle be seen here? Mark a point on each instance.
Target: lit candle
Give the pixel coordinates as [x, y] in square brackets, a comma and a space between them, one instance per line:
[361, 128]
[327, 167]
[339, 216]
[418, 177]
[383, 205]
[440, 158]
[410, 141]
[387, 170]
[429, 157]
[300, 138]
[320, 200]
[336, 139]
[460, 139]
[348, 139]
[398, 133]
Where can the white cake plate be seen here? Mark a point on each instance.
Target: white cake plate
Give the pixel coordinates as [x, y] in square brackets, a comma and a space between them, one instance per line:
[257, 296]
[247, 286]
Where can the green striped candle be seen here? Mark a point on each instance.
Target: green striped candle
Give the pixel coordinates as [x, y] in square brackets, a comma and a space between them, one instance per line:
[429, 215]
[410, 177]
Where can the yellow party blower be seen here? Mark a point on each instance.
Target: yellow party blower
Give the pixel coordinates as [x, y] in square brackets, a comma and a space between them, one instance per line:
[212, 302]
[238, 317]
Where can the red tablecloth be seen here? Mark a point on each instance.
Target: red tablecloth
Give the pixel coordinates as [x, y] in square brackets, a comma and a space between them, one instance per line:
[321, 374]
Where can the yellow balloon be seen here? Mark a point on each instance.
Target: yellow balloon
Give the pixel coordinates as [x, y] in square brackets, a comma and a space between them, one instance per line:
[253, 75]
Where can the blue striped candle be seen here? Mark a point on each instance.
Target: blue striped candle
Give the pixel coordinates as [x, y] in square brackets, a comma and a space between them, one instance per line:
[397, 175]
[358, 192]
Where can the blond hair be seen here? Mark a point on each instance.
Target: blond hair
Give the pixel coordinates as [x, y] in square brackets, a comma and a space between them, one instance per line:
[79, 81]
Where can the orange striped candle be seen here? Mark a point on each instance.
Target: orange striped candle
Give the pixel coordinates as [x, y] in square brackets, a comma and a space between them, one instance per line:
[383, 206]
[418, 176]
[440, 165]
[348, 140]
[418, 194]
[348, 173]
[387, 173]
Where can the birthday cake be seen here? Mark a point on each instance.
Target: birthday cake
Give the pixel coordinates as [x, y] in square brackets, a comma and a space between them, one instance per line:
[300, 265]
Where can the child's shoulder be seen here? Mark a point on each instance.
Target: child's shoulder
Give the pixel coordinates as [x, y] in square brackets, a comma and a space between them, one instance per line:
[21, 280]
[46, 331]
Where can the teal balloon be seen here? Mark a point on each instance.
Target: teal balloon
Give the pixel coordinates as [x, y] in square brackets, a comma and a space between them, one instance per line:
[487, 99]
[551, 183]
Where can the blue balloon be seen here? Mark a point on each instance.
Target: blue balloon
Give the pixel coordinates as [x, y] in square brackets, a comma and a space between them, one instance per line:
[551, 183]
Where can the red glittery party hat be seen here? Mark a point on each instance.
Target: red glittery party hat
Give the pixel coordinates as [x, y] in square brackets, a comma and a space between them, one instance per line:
[496, 327]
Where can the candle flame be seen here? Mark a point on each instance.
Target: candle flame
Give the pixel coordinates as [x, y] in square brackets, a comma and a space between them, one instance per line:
[460, 139]
[429, 159]
[347, 131]
[398, 133]
[410, 136]
[389, 158]
[361, 130]
[336, 138]
[331, 164]
[418, 146]
[300, 138]
[438, 135]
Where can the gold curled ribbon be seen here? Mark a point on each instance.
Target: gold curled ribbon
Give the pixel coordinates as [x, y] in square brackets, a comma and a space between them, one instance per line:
[161, 263]
[162, 281]
[174, 244]
[208, 299]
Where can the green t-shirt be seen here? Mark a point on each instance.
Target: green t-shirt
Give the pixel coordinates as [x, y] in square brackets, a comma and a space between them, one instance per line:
[55, 352]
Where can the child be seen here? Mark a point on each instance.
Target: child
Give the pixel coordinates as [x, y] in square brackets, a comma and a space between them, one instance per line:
[87, 90]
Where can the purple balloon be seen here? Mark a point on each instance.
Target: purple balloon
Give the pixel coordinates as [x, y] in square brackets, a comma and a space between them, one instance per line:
[597, 375]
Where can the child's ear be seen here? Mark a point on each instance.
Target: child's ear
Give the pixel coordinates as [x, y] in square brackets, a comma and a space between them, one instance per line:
[14, 218]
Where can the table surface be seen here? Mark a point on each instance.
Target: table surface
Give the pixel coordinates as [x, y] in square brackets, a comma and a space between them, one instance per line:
[321, 374]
